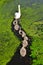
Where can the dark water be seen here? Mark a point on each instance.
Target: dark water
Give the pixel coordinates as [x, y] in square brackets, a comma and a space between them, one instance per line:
[17, 59]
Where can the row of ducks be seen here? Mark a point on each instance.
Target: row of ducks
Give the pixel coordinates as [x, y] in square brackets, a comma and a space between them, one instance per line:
[23, 35]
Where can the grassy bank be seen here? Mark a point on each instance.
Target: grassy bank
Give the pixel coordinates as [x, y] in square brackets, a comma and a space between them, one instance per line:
[31, 22]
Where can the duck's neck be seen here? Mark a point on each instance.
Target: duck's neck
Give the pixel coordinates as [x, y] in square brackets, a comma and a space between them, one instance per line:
[19, 9]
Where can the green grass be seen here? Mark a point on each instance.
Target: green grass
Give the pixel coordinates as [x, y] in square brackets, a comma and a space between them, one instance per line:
[31, 22]
[8, 41]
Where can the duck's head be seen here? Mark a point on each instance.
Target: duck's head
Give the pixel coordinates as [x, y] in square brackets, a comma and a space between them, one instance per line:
[18, 6]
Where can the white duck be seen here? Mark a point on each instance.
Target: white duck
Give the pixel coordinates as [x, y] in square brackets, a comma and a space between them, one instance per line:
[18, 14]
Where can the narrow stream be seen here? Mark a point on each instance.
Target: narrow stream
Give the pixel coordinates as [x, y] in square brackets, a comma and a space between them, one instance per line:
[17, 59]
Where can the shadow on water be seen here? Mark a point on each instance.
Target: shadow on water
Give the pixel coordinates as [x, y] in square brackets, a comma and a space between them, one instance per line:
[17, 59]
